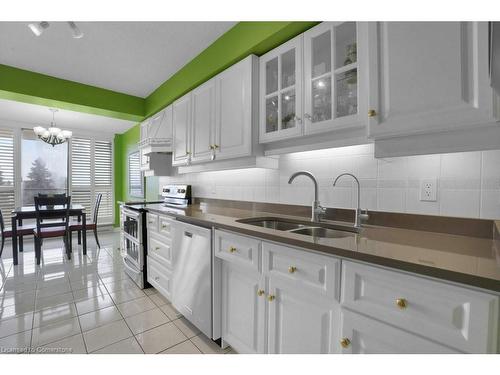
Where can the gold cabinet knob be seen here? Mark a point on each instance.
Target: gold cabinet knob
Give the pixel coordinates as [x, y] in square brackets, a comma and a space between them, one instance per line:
[216, 147]
[260, 292]
[157, 248]
[345, 342]
[211, 147]
[270, 298]
[164, 226]
[292, 269]
[372, 113]
[232, 249]
[402, 303]
[150, 222]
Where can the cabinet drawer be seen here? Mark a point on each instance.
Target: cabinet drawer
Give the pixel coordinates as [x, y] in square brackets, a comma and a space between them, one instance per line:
[458, 317]
[164, 225]
[362, 335]
[160, 277]
[237, 249]
[152, 222]
[315, 272]
[160, 248]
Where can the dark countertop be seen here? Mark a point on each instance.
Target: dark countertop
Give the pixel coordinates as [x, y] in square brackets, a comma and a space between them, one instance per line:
[474, 261]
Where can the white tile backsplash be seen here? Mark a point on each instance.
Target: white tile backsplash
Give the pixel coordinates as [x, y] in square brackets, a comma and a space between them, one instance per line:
[468, 182]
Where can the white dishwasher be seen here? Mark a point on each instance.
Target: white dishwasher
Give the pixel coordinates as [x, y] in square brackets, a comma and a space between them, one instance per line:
[192, 276]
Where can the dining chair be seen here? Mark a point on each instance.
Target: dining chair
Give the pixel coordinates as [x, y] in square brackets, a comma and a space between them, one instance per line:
[51, 229]
[77, 226]
[22, 230]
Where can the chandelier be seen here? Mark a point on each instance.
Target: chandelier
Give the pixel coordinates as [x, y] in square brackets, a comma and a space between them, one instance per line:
[53, 136]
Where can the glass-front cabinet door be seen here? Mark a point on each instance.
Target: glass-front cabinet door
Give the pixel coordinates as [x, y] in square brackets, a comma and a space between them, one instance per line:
[281, 92]
[334, 77]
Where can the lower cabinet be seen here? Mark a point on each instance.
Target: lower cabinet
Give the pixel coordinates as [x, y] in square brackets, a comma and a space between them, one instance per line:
[279, 299]
[300, 322]
[243, 309]
[363, 335]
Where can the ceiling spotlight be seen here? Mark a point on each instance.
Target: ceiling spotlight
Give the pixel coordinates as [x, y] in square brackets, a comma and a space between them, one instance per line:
[77, 33]
[39, 27]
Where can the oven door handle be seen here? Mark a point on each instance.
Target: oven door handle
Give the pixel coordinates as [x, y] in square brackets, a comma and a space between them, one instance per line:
[130, 267]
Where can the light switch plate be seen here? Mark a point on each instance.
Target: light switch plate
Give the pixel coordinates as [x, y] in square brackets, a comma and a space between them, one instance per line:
[428, 190]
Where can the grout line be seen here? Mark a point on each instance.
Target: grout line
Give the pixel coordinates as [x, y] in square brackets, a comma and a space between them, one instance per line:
[78, 319]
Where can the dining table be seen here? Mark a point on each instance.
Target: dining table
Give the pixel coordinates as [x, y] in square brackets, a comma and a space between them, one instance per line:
[29, 212]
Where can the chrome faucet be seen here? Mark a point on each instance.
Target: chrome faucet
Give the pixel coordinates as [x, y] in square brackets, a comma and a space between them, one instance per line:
[358, 216]
[316, 210]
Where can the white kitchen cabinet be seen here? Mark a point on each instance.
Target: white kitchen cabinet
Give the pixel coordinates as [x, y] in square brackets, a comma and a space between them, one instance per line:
[203, 122]
[243, 309]
[215, 121]
[335, 76]
[300, 322]
[276, 311]
[181, 130]
[281, 92]
[236, 109]
[454, 316]
[428, 77]
[362, 335]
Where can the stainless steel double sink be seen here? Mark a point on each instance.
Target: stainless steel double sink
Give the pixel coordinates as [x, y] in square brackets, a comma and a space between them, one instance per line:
[311, 229]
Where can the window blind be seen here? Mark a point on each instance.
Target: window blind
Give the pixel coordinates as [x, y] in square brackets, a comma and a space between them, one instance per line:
[7, 191]
[92, 173]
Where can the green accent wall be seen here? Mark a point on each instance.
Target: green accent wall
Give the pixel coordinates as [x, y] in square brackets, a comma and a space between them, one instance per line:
[124, 144]
[243, 39]
[35, 88]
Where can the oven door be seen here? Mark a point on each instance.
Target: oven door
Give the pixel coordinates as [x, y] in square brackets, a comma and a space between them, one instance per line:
[134, 252]
[132, 226]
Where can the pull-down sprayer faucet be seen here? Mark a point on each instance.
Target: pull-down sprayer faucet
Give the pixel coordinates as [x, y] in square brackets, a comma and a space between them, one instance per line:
[316, 209]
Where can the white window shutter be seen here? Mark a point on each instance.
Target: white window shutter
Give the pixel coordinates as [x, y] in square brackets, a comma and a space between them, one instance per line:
[92, 173]
[7, 190]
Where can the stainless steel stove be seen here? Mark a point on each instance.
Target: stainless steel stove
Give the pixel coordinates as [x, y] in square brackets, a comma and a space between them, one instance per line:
[176, 195]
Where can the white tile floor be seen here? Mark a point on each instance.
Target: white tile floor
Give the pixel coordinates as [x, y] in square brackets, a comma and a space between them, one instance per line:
[87, 305]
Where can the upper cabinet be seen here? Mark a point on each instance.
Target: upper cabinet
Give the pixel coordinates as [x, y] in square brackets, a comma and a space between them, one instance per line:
[335, 76]
[203, 122]
[181, 130]
[215, 120]
[236, 109]
[428, 77]
[281, 92]
[314, 83]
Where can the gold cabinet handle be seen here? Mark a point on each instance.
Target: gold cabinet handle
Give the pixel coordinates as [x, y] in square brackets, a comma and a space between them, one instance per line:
[216, 147]
[157, 248]
[292, 269]
[150, 222]
[345, 342]
[164, 226]
[232, 249]
[271, 298]
[372, 113]
[211, 147]
[402, 303]
[260, 292]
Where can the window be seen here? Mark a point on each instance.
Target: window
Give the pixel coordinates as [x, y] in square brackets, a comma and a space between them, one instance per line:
[92, 173]
[44, 168]
[7, 191]
[135, 180]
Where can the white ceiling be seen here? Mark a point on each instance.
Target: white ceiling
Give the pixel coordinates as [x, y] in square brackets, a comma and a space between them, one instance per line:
[16, 114]
[129, 57]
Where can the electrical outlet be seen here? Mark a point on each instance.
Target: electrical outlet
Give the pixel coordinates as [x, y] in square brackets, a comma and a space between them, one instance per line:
[428, 190]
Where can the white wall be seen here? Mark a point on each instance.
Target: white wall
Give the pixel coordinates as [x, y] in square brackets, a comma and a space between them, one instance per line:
[468, 183]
